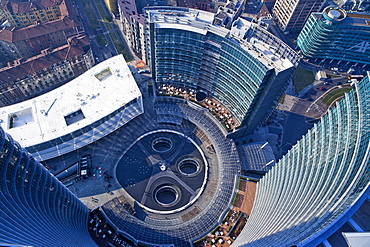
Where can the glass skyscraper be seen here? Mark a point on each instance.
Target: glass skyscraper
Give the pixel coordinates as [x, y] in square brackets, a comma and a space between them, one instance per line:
[336, 34]
[301, 201]
[317, 186]
[186, 49]
[35, 208]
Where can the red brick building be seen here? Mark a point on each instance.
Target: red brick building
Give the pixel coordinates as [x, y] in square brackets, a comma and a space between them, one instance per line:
[26, 78]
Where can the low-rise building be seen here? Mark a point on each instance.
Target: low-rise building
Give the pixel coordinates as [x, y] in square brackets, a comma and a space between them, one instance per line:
[195, 4]
[26, 78]
[141, 4]
[77, 113]
[25, 13]
[29, 41]
[269, 4]
[228, 13]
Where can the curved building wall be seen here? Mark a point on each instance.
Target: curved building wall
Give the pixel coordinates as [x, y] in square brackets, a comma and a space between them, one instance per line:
[318, 182]
[209, 62]
[186, 49]
[344, 37]
[35, 208]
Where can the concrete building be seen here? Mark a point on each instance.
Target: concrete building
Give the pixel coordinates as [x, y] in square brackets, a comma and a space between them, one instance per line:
[227, 14]
[24, 42]
[319, 184]
[141, 4]
[133, 26]
[292, 15]
[337, 35]
[36, 209]
[218, 3]
[196, 4]
[26, 78]
[75, 114]
[241, 72]
[264, 17]
[25, 13]
[269, 4]
[30, 41]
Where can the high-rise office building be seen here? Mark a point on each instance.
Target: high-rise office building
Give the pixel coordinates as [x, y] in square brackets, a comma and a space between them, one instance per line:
[292, 15]
[307, 196]
[269, 4]
[245, 75]
[320, 183]
[335, 34]
[35, 208]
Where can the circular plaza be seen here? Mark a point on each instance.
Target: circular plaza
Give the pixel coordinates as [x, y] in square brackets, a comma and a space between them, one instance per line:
[176, 177]
[164, 171]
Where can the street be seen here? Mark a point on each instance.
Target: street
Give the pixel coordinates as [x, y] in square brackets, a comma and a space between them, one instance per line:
[100, 53]
[296, 123]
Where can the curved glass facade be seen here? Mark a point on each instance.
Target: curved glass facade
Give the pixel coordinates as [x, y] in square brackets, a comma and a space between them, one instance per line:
[334, 34]
[35, 208]
[209, 62]
[320, 182]
[195, 54]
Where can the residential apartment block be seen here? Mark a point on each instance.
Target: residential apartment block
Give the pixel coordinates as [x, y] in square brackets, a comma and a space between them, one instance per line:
[133, 26]
[196, 4]
[292, 15]
[26, 78]
[25, 13]
[27, 42]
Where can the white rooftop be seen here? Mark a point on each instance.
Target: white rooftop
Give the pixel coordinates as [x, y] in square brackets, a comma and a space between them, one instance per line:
[82, 101]
[201, 22]
[265, 53]
[194, 20]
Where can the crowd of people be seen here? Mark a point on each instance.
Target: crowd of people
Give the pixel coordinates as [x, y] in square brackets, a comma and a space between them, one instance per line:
[221, 113]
